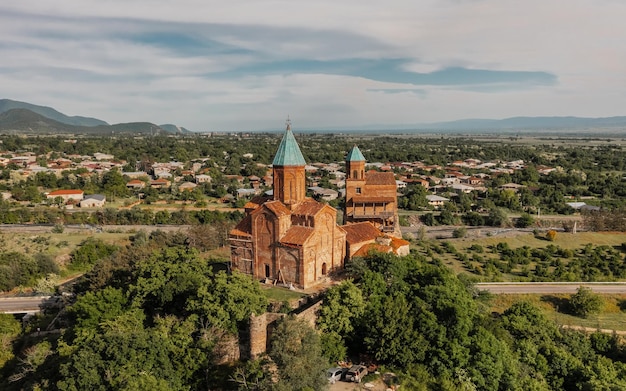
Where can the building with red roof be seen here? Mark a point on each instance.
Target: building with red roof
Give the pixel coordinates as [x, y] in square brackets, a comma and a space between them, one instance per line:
[292, 239]
[66, 195]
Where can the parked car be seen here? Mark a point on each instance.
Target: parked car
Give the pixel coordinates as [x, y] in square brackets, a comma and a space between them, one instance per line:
[356, 373]
[335, 374]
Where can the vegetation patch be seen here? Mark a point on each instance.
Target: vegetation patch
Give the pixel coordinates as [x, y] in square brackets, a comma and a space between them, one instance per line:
[525, 257]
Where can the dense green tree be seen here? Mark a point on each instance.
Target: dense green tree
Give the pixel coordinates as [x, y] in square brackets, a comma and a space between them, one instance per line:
[342, 305]
[295, 348]
[94, 308]
[91, 250]
[176, 281]
[9, 330]
[125, 355]
[390, 332]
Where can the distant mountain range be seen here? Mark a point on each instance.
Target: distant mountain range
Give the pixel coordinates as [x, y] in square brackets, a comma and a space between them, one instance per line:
[29, 118]
[530, 123]
[25, 117]
[577, 126]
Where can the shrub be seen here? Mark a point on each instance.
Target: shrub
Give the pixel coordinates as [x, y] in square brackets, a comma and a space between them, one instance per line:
[460, 232]
[525, 220]
[584, 302]
[551, 235]
[477, 248]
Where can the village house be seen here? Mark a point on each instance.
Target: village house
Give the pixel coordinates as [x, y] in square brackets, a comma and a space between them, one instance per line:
[135, 184]
[102, 156]
[511, 186]
[93, 201]
[160, 183]
[187, 186]
[203, 178]
[461, 188]
[135, 174]
[436, 201]
[321, 193]
[66, 195]
[243, 193]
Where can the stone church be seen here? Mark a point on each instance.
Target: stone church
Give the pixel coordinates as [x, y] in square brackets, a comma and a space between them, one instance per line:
[293, 239]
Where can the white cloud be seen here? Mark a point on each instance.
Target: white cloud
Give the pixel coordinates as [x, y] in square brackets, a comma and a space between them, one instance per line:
[87, 57]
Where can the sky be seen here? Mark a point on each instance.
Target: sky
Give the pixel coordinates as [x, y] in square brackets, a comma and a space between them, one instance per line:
[247, 65]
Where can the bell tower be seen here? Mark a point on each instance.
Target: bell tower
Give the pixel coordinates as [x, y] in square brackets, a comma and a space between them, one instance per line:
[288, 170]
[355, 164]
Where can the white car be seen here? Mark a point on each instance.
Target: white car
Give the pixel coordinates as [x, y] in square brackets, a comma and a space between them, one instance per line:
[334, 374]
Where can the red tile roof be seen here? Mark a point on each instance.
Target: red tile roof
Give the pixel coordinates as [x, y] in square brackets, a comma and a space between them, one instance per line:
[277, 207]
[244, 228]
[297, 235]
[380, 178]
[396, 243]
[360, 232]
[65, 192]
[372, 247]
[256, 201]
[308, 207]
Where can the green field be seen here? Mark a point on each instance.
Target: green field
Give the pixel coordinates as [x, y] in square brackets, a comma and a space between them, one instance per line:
[565, 240]
[554, 307]
[514, 240]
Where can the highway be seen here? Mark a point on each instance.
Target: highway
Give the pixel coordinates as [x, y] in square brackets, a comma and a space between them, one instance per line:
[31, 304]
[551, 287]
[21, 304]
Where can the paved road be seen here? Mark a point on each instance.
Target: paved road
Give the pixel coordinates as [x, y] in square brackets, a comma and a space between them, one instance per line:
[16, 305]
[552, 287]
[72, 228]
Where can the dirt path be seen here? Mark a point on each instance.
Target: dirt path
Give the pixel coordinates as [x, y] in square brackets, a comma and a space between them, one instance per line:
[593, 330]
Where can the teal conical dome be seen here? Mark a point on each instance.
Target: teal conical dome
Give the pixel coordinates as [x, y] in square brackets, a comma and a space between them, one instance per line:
[288, 153]
[355, 155]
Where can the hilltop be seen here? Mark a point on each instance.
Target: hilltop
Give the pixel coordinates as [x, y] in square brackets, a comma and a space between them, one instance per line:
[27, 118]
[50, 113]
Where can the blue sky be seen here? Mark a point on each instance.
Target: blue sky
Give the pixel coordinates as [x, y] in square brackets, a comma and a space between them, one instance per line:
[247, 65]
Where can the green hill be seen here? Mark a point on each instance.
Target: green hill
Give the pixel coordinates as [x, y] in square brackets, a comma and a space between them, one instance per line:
[28, 122]
[49, 112]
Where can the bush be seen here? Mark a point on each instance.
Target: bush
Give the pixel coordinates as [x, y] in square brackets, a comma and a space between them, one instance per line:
[551, 235]
[477, 248]
[460, 232]
[525, 220]
[584, 302]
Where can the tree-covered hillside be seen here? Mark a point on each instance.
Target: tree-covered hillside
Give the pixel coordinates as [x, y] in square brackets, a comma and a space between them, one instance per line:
[156, 315]
[415, 316]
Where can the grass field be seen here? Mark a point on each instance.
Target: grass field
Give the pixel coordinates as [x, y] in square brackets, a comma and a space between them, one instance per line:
[280, 294]
[554, 307]
[564, 240]
[515, 240]
[54, 244]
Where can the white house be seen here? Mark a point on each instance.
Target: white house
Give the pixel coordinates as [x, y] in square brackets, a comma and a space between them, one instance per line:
[93, 201]
[436, 200]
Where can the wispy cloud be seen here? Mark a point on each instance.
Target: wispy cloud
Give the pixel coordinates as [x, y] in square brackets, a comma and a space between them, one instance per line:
[207, 65]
